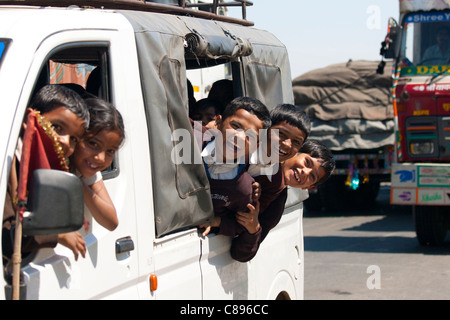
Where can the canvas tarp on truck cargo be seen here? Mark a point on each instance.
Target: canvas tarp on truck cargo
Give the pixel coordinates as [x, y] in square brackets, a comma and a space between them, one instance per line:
[181, 190]
[349, 104]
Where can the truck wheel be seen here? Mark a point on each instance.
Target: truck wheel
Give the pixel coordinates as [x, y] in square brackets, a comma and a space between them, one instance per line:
[431, 225]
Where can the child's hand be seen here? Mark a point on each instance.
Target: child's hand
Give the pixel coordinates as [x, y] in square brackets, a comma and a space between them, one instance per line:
[256, 191]
[75, 242]
[249, 220]
[215, 222]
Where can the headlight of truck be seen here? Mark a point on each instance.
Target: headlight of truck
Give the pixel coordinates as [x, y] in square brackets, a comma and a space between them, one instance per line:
[420, 148]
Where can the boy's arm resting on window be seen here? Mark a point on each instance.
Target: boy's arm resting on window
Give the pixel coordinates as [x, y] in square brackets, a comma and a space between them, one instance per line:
[249, 218]
[229, 226]
[100, 204]
[245, 246]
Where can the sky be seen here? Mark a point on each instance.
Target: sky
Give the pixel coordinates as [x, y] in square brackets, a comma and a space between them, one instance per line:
[318, 33]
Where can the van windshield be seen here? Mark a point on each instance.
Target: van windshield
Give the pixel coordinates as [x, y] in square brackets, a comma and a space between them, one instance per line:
[3, 47]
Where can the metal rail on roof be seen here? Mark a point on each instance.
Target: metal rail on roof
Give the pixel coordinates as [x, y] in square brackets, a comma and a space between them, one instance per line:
[212, 7]
[180, 8]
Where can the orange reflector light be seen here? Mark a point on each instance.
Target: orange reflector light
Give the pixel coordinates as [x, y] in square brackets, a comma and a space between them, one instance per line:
[422, 128]
[153, 282]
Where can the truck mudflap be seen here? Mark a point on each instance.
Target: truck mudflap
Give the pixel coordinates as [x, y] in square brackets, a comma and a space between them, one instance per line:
[426, 184]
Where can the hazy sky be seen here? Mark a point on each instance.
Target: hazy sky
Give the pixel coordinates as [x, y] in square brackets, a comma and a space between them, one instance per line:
[322, 32]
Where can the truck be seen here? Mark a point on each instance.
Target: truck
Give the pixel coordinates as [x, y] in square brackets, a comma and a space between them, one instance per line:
[418, 45]
[351, 112]
[142, 52]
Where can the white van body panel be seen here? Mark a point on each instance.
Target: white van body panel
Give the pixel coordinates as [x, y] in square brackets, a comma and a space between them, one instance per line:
[187, 265]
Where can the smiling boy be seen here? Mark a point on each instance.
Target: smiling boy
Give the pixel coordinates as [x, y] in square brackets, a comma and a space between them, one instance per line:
[290, 128]
[303, 171]
[67, 113]
[226, 158]
[310, 167]
[69, 116]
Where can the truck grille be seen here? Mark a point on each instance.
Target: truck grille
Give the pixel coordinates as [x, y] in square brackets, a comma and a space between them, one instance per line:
[433, 130]
[421, 130]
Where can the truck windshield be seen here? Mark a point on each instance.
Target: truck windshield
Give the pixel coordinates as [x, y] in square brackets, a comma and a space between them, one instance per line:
[426, 42]
[3, 47]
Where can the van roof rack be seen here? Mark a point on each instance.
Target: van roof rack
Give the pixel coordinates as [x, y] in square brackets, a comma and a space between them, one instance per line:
[178, 7]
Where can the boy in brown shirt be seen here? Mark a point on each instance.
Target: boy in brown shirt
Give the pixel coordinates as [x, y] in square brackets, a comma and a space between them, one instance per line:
[69, 116]
[226, 159]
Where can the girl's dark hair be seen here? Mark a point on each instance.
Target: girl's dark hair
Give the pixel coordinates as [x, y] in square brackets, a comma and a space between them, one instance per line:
[251, 105]
[223, 92]
[319, 151]
[53, 96]
[104, 116]
[293, 115]
[204, 104]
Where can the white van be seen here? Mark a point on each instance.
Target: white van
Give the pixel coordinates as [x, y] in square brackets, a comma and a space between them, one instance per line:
[143, 51]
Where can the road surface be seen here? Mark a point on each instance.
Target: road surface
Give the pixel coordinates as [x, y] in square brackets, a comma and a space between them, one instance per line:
[372, 254]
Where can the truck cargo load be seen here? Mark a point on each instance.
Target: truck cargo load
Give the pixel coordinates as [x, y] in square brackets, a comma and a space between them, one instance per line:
[350, 107]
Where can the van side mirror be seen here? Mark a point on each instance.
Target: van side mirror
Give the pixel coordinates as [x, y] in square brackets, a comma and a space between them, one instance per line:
[55, 203]
[390, 46]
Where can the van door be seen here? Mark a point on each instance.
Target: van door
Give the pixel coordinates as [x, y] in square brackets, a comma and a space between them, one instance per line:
[105, 272]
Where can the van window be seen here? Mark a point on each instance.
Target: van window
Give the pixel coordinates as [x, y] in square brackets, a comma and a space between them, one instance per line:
[83, 67]
[77, 73]
[83, 64]
[72, 65]
[203, 79]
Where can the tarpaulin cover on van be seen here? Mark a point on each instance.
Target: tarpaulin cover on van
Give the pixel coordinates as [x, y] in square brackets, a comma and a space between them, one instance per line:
[181, 190]
[267, 71]
[349, 104]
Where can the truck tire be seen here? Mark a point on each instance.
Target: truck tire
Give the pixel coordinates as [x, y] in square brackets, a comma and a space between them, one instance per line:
[431, 225]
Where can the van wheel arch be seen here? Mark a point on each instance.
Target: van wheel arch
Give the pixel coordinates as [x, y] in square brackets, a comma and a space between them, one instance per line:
[282, 288]
[283, 296]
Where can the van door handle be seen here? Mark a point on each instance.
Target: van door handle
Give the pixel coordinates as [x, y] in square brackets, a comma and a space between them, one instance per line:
[123, 245]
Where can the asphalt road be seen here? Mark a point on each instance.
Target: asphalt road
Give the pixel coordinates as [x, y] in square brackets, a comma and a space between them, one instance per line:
[372, 254]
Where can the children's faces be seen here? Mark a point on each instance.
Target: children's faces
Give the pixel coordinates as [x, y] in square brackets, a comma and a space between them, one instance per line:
[68, 128]
[96, 153]
[290, 139]
[205, 116]
[239, 134]
[302, 171]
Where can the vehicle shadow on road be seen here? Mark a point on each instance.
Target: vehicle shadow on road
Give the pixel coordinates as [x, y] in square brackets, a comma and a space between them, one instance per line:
[390, 244]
